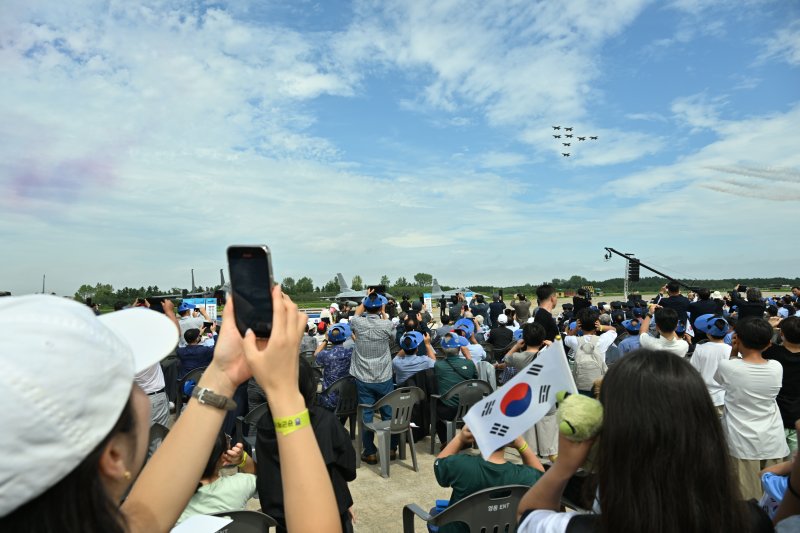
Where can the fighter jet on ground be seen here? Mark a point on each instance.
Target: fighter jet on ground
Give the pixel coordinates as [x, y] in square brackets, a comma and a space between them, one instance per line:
[556, 127]
[565, 144]
[567, 129]
[437, 293]
[347, 293]
[565, 155]
[593, 138]
[581, 138]
[557, 136]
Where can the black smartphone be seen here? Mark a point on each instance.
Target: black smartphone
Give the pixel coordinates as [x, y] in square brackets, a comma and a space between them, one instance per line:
[156, 303]
[250, 270]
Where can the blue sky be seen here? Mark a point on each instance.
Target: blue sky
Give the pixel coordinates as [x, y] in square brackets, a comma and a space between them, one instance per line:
[139, 139]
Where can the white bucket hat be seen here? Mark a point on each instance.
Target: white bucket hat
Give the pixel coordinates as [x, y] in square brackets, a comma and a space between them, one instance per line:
[65, 377]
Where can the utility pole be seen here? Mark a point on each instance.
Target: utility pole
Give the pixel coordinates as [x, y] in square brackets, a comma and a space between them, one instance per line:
[44, 276]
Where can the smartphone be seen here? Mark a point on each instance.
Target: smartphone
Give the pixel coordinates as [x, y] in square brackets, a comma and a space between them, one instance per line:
[156, 303]
[250, 269]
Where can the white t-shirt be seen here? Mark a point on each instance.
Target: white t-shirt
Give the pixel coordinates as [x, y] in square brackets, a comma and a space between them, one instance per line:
[186, 323]
[151, 379]
[545, 521]
[477, 353]
[606, 340]
[677, 346]
[752, 420]
[706, 359]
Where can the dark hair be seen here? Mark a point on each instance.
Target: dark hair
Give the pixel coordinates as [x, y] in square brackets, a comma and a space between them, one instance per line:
[666, 319]
[790, 327]
[220, 447]
[307, 382]
[79, 502]
[543, 292]
[588, 318]
[191, 335]
[533, 334]
[657, 412]
[445, 319]
[581, 292]
[719, 322]
[673, 286]
[703, 293]
[521, 296]
[772, 310]
[754, 333]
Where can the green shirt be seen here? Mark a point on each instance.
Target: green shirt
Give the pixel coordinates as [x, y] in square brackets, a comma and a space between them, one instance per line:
[452, 371]
[227, 493]
[468, 474]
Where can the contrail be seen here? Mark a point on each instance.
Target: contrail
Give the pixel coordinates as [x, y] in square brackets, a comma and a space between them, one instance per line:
[788, 175]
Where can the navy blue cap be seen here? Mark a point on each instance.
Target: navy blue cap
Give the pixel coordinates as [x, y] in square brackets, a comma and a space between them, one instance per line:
[379, 301]
[518, 334]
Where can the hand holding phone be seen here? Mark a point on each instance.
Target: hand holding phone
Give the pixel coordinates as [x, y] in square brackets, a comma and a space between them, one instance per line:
[251, 285]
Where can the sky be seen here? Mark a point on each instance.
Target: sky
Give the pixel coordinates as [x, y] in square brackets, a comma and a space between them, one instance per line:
[139, 139]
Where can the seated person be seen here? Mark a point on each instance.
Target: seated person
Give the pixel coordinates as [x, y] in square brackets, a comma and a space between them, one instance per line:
[217, 493]
[631, 342]
[334, 443]
[334, 359]
[408, 362]
[468, 474]
[450, 371]
[194, 354]
[466, 328]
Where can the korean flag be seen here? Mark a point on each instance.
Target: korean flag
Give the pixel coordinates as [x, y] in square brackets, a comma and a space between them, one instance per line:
[515, 407]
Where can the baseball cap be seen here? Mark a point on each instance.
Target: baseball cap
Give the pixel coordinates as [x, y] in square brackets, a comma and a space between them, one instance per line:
[339, 333]
[517, 334]
[453, 340]
[379, 301]
[681, 327]
[466, 325]
[715, 326]
[630, 326]
[185, 307]
[637, 312]
[716, 295]
[66, 376]
[502, 319]
[411, 340]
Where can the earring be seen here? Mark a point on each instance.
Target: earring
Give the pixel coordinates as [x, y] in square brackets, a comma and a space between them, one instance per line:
[127, 475]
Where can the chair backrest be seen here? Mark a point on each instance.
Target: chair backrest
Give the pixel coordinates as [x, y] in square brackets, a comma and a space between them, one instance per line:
[469, 393]
[347, 402]
[402, 402]
[492, 509]
[316, 372]
[258, 411]
[157, 435]
[194, 375]
[246, 522]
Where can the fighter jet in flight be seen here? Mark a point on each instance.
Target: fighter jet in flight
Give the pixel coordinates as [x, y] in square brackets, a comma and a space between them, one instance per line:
[568, 136]
[556, 136]
[556, 127]
[565, 144]
[567, 129]
[581, 138]
[565, 155]
[593, 138]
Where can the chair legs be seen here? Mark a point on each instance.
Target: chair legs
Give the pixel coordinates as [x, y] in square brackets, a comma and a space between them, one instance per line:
[359, 444]
[413, 449]
[384, 440]
[450, 425]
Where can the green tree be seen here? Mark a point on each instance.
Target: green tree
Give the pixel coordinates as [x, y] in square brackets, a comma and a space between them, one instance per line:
[357, 284]
[304, 285]
[331, 287]
[288, 285]
[423, 279]
[101, 293]
[401, 282]
[385, 280]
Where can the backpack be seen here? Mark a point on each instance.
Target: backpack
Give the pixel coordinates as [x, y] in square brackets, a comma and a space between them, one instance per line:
[590, 362]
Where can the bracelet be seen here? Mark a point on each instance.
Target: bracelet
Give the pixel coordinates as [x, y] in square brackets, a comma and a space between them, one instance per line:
[791, 489]
[522, 448]
[288, 424]
[244, 460]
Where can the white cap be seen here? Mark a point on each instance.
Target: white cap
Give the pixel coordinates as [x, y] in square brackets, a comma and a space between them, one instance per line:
[344, 320]
[335, 306]
[716, 295]
[65, 377]
[502, 319]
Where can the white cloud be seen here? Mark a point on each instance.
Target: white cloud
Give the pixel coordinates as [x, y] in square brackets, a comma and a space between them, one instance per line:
[784, 45]
[698, 111]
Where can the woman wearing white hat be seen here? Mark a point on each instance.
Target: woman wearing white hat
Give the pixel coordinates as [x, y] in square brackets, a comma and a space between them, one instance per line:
[75, 428]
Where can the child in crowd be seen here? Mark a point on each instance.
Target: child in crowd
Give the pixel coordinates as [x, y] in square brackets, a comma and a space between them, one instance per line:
[708, 354]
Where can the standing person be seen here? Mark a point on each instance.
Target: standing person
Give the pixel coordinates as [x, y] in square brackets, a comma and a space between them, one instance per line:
[479, 307]
[707, 355]
[187, 321]
[666, 324]
[547, 298]
[674, 300]
[335, 359]
[371, 365]
[753, 306]
[522, 307]
[194, 354]
[581, 300]
[590, 349]
[752, 420]
[496, 308]
[788, 355]
[663, 402]
[405, 305]
[703, 306]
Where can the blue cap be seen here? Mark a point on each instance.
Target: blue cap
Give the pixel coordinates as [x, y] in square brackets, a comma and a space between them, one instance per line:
[185, 307]
[453, 340]
[630, 326]
[377, 303]
[518, 334]
[637, 312]
[339, 333]
[466, 325]
[573, 324]
[716, 326]
[411, 340]
[594, 308]
[681, 327]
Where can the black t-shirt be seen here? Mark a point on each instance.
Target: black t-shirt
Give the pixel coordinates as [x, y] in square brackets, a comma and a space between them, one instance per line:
[500, 337]
[495, 310]
[546, 320]
[679, 303]
[789, 395]
[405, 305]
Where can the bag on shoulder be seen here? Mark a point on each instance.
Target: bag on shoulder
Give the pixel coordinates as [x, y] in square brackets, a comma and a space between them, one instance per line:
[590, 362]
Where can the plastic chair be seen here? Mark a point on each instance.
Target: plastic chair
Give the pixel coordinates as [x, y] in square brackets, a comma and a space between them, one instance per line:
[402, 402]
[492, 509]
[251, 419]
[347, 402]
[469, 393]
[191, 375]
[246, 522]
[157, 435]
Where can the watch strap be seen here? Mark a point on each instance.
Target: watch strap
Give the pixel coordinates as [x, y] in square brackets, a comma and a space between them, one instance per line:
[209, 397]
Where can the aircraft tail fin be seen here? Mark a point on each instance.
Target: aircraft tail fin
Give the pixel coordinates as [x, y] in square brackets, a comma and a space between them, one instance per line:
[221, 277]
[436, 288]
[342, 283]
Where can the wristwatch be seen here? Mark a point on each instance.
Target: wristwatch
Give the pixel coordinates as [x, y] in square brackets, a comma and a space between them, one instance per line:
[209, 397]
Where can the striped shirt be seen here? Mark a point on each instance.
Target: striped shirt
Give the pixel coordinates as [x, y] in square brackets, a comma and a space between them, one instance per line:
[372, 361]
